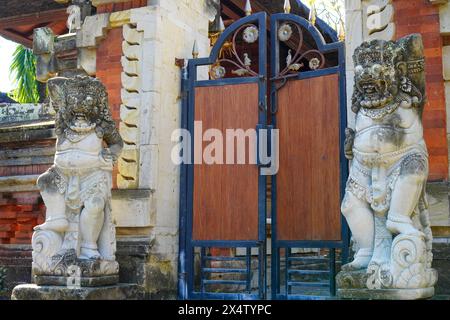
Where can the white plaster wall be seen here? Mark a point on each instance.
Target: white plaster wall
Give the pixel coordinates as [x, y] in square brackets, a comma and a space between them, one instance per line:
[170, 28]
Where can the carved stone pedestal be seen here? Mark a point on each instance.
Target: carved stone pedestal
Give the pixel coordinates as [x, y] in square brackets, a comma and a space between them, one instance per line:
[68, 270]
[116, 292]
[352, 285]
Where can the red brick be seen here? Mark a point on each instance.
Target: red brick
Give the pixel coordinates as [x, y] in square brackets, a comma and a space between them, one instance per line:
[25, 227]
[437, 151]
[8, 214]
[23, 235]
[6, 234]
[7, 227]
[20, 241]
[7, 221]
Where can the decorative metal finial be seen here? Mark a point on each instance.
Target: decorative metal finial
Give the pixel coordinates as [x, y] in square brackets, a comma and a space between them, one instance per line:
[341, 31]
[313, 14]
[195, 52]
[221, 25]
[287, 6]
[248, 8]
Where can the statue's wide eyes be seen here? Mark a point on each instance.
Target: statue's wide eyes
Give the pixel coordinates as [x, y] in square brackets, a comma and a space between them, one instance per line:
[72, 100]
[89, 100]
[376, 68]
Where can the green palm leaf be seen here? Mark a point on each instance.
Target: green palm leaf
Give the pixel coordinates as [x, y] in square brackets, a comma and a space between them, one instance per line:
[23, 71]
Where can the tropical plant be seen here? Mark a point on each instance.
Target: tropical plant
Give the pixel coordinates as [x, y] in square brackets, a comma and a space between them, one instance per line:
[330, 11]
[23, 72]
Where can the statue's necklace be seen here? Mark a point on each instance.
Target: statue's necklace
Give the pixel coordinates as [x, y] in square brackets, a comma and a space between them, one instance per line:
[377, 114]
[75, 136]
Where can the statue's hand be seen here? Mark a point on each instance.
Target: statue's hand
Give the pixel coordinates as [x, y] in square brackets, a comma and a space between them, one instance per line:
[348, 145]
[107, 157]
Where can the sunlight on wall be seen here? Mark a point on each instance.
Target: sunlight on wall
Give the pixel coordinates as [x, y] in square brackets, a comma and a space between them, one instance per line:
[6, 51]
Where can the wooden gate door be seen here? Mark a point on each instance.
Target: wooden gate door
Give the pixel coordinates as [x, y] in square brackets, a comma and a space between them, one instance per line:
[223, 201]
[309, 111]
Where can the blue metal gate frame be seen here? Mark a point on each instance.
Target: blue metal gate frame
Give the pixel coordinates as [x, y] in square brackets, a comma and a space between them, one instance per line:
[187, 244]
[186, 289]
[277, 245]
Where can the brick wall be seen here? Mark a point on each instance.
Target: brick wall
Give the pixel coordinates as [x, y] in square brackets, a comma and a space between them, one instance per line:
[420, 16]
[109, 69]
[120, 6]
[19, 213]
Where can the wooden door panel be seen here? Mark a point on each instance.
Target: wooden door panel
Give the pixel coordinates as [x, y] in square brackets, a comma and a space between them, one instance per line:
[308, 180]
[226, 196]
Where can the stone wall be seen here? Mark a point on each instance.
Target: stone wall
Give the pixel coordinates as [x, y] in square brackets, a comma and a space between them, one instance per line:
[26, 150]
[169, 31]
[19, 213]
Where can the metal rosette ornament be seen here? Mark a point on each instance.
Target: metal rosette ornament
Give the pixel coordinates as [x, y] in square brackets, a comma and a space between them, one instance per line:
[292, 34]
[240, 62]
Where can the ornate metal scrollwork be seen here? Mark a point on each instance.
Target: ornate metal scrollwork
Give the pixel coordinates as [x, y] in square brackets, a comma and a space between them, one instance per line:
[294, 61]
[228, 54]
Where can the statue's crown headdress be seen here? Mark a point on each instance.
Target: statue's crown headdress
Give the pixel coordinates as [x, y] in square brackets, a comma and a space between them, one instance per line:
[377, 51]
[83, 84]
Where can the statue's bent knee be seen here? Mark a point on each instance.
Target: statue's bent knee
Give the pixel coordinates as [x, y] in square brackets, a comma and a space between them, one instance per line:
[350, 204]
[95, 204]
[47, 181]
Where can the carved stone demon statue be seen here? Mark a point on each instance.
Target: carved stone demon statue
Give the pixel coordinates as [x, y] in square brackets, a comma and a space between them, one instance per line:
[78, 233]
[385, 203]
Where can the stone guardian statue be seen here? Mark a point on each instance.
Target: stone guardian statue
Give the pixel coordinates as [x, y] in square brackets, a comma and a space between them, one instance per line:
[78, 236]
[385, 203]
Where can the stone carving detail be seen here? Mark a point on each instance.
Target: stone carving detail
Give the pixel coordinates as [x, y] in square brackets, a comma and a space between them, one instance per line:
[385, 202]
[78, 232]
[128, 177]
[378, 20]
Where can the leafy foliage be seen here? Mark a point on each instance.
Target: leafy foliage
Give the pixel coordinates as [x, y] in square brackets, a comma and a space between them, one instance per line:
[23, 70]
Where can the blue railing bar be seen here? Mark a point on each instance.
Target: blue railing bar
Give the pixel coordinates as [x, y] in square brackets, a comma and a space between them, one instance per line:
[240, 282]
[249, 272]
[224, 296]
[333, 272]
[289, 264]
[223, 82]
[307, 258]
[224, 270]
[301, 297]
[309, 244]
[203, 264]
[308, 284]
[308, 272]
[226, 244]
[307, 297]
